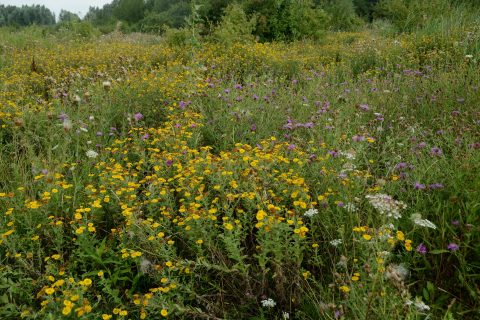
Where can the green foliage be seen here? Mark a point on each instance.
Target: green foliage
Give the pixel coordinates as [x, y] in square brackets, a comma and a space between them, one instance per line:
[129, 10]
[67, 16]
[25, 15]
[171, 14]
[76, 28]
[307, 21]
[234, 26]
[408, 15]
[342, 14]
[287, 19]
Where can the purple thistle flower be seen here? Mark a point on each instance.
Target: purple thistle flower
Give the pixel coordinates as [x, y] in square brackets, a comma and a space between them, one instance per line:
[253, 127]
[169, 163]
[401, 165]
[138, 116]
[419, 186]
[364, 107]
[357, 138]
[337, 314]
[435, 186]
[291, 147]
[421, 145]
[422, 249]
[63, 116]
[453, 247]
[435, 151]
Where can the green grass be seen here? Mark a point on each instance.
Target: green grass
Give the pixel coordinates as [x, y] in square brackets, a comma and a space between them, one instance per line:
[197, 207]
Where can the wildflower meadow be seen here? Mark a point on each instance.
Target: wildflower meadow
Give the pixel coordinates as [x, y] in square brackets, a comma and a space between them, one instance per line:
[333, 178]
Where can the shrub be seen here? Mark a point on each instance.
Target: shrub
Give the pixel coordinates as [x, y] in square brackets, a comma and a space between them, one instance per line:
[235, 26]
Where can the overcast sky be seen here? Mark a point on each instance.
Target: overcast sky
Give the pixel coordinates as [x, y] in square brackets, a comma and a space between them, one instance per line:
[75, 6]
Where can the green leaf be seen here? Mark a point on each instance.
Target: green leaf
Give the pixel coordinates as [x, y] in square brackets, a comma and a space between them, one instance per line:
[439, 251]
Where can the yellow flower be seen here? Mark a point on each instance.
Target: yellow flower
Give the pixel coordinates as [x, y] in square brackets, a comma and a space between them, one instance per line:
[367, 237]
[87, 282]
[106, 316]
[344, 289]
[228, 226]
[261, 215]
[66, 311]
[164, 313]
[49, 291]
[400, 235]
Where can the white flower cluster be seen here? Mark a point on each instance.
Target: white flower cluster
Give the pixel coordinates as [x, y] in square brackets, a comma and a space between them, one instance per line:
[419, 305]
[269, 303]
[91, 154]
[417, 219]
[350, 155]
[336, 242]
[350, 207]
[386, 205]
[310, 212]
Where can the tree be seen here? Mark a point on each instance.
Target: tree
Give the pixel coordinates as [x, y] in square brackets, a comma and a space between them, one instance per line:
[129, 10]
[67, 16]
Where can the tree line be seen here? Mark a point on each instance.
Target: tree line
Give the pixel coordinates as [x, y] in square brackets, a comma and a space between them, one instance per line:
[264, 19]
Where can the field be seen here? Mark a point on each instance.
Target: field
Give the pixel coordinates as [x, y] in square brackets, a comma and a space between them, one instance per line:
[336, 179]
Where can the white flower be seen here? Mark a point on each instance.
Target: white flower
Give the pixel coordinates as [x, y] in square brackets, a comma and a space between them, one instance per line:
[348, 167]
[386, 205]
[91, 154]
[67, 124]
[350, 155]
[107, 85]
[350, 207]
[285, 315]
[336, 242]
[417, 219]
[310, 212]
[269, 303]
[418, 304]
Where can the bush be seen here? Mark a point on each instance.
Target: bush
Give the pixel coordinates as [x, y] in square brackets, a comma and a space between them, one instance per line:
[408, 15]
[342, 13]
[235, 26]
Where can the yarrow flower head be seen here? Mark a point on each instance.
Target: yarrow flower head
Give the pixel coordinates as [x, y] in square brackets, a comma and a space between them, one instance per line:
[91, 154]
[336, 242]
[386, 205]
[417, 219]
[268, 303]
[310, 212]
[419, 305]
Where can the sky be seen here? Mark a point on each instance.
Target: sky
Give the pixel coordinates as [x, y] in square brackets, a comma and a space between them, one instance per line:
[79, 7]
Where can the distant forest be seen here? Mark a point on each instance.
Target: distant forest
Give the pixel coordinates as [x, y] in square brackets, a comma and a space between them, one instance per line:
[266, 19]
